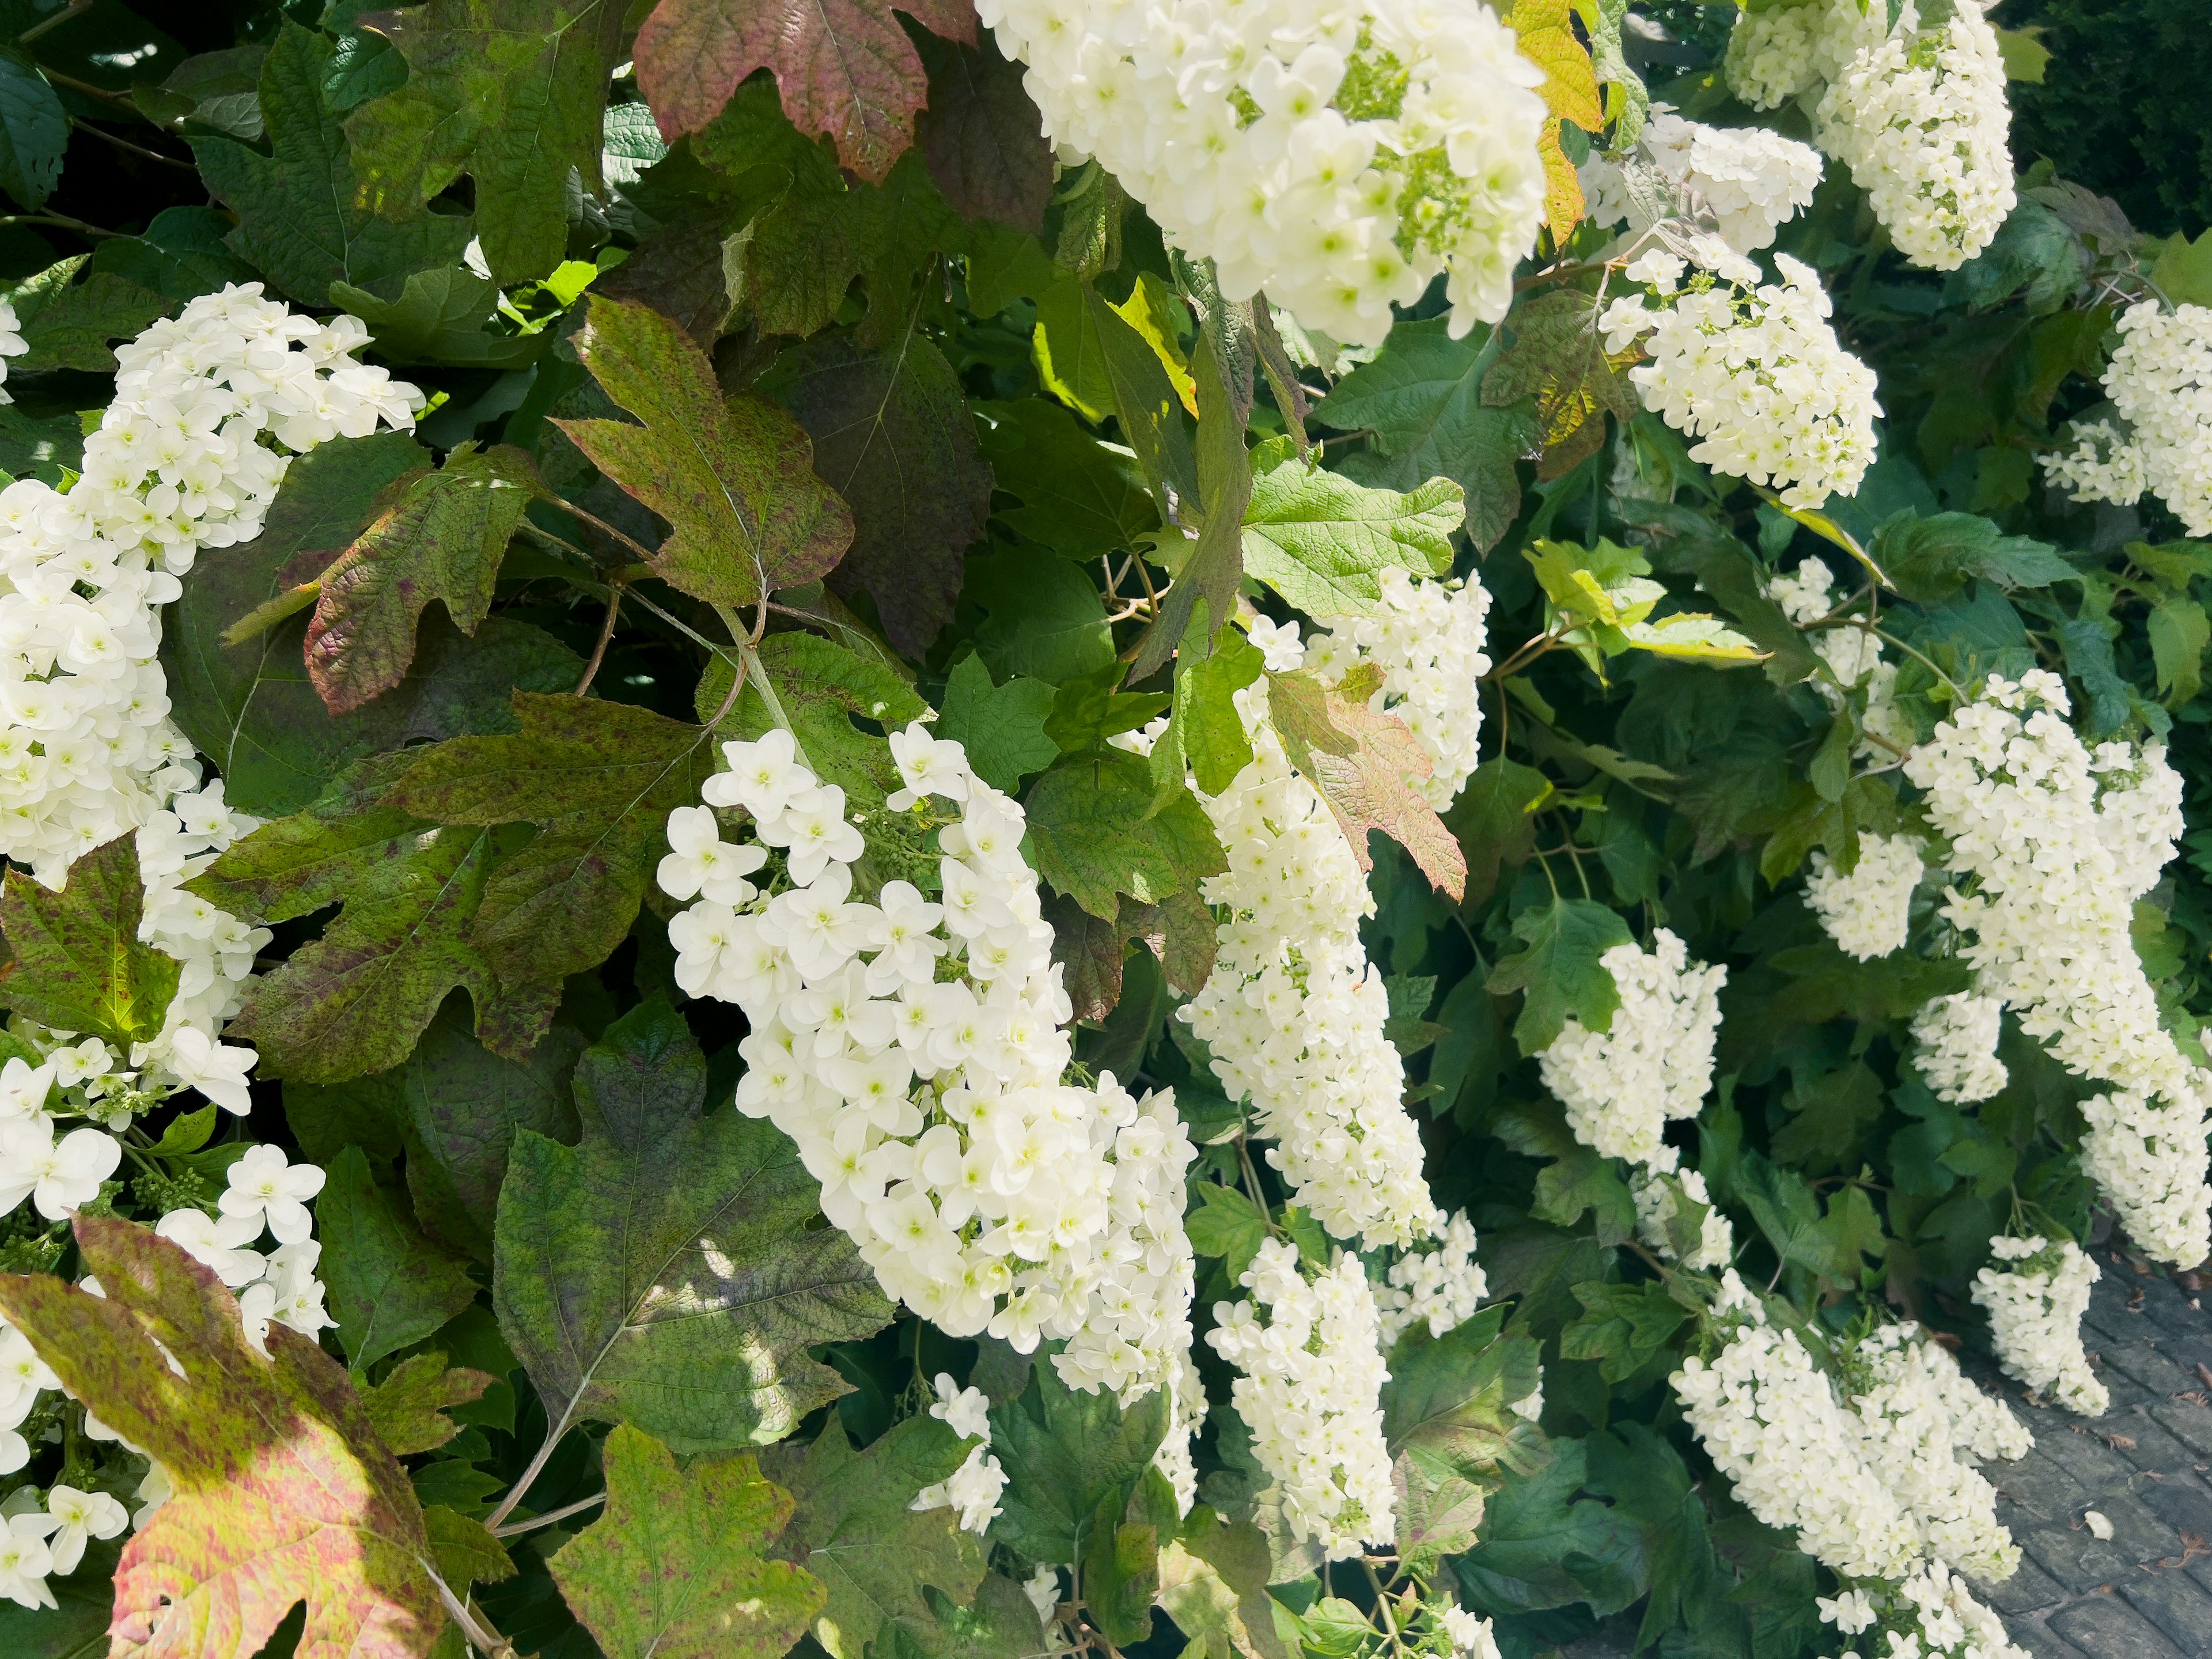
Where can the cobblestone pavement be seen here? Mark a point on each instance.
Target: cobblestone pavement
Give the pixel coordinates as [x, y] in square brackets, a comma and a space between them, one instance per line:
[2146, 1593]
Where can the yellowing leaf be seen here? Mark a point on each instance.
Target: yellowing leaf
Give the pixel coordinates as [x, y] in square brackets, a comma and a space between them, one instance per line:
[734, 478]
[1563, 185]
[1692, 635]
[1544, 31]
[1366, 765]
[282, 1492]
[1153, 313]
[672, 1570]
[1558, 356]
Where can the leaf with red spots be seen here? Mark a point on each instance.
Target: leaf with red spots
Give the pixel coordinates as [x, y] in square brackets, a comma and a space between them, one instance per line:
[844, 67]
[283, 1493]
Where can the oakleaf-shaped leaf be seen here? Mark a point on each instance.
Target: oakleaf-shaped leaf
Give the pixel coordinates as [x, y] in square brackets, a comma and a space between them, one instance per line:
[844, 67]
[1322, 541]
[893, 435]
[78, 964]
[1557, 355]
[856, 1531]
[1544, 33]
[1559, 972]
[408, 1409]
[297, 220]
[1692, 635]
[982, 138]
[282, 1492]
[442, 540]
[1070, 1457]
[733, 478]
[1366, 765]
[664, 1272]
[600, 778]
[356, 999]
[508, 91]
[672, 1569]
[1094, 833]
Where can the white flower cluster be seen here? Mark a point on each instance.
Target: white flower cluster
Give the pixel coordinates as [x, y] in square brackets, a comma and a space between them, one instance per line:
[1293, 1011]
[1660, 1198]
[1918, 115]
[1956, 1052]
[1337, 158]
[1868, 909]
[1854, 657]
[1771, 1421]
[1923, 1427]
[2159, 380]
[1428, 639]
[2058, 842]
[1621, 1085]
[1930, 1614]
[2104, 465]
[2035, 1306]
[1749, 180]
[1756, 374]
[1441, 1288]
[41, 1538]
[913, 1049]
[973, 1489]
[1312, 1380]
[179, 463]
[1471, 1637]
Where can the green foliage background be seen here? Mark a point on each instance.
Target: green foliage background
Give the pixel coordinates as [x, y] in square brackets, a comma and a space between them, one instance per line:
[973, 386]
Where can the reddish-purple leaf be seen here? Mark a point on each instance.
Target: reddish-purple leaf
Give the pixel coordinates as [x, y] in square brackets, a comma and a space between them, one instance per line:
[984, 138]
[844, 67]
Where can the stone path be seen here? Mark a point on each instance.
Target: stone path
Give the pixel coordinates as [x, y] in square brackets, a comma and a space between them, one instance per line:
[2146, 1593]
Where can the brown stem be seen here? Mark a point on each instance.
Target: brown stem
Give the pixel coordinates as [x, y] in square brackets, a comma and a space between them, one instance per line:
[61, 218]
[135, 150]
[605, 529]
[552, 1516]
[74, 8]
[606, 633]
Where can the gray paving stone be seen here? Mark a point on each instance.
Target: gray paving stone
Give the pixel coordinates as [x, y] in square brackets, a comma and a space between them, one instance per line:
[2084, 1455]
[2043, 1644]
[2154, 1447]
[2176, 1604]
[2107, 1627]
[2184, 1502]
[2039, 1486]
[2189, 1424]
[2139, 1532]
[2029, 1589]
[2077, 1559]
[2145, 1365]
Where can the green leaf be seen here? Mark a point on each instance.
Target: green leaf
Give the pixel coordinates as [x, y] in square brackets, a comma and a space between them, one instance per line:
[390, 1286]
[2182, 272]
[1929, 559]
[823, 688]
[454, 1106]
[806, 247]
[68, 313]
[674, 1568]
[408, 1409]
[78, 963]
[1067, 1457]
[2179, 631]
[1149, 390]
[1321, 540]
[1212, 570]
[845, 68]
[1366, 765]
[1544, 1545]
[733, 478]
[1204, 731]
[600, 780]
[1494, 821]
[250, 706]
[1557, 356]
[1559, 972]
[1652, 1487]
[508, 92]
[355, 998]
[893, 435]
[1421, 399]
[1450, 1428]
[855, 1531]
[282, 1492]
[1001, 727]
[663, 1273]
[465, 1550]
[297, 220]
[442, 316]
[34, 131]
[1228, 1225]
[441, 539]
[1093, 835]
[1080, 495]
[1044, 619]
[1624, 1327]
